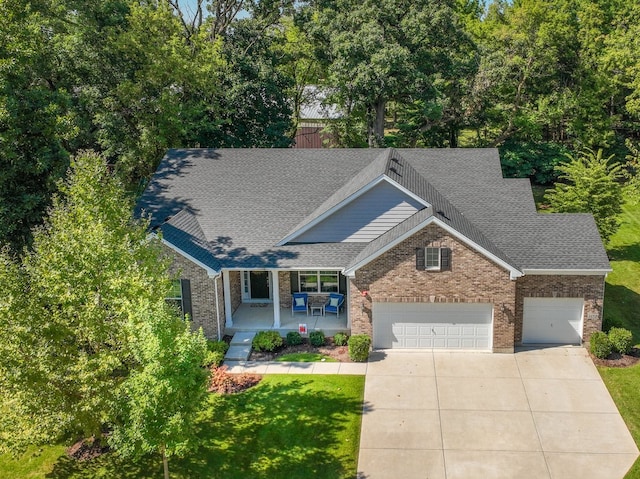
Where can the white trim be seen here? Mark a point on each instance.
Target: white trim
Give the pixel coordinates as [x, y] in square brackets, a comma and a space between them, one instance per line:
[210, 271]
[226, 285]
[215, 287]
[568, 272]
[275, 294]
[514, 272]
[348, 200]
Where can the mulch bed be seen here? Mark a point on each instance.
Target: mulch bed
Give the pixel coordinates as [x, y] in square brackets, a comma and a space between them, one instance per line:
[222, 382]
[87, 449]
[617, 360]
[339, 353]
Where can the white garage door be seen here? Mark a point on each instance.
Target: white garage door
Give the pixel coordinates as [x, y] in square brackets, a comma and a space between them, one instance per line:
[432, 325]
[552, 320]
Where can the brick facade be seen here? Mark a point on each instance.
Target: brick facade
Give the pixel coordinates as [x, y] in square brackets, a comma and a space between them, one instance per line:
[203, 296]
[235, 285]
[591, 288]
[393, 277]
[284, 278]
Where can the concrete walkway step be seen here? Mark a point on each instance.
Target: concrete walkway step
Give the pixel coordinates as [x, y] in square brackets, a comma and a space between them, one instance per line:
[240, 347]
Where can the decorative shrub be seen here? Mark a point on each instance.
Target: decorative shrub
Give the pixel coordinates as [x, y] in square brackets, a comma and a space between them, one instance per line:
[340, 339]
[267, 341]
[621, 340]
[294, 338]
[359, 345]
[213, 358]
[600, 345]
[316, 338]
[217, 346]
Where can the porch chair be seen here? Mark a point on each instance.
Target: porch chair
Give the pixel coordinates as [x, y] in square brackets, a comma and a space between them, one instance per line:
[300, 303]
[334, 303]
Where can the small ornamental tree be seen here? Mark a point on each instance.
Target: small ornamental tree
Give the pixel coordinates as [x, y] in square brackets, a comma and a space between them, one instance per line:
[160, 399]
[591, 185]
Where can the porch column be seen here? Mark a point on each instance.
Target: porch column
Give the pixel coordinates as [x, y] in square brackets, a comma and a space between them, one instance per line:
[275, 287]
[226, 285]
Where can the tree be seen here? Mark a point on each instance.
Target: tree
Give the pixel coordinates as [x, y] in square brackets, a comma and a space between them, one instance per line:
[385, 51]
[164, 392]
[66, 324]
[591, 186]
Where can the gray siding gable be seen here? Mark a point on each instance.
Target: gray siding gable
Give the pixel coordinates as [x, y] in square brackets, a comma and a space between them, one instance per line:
[365, 218]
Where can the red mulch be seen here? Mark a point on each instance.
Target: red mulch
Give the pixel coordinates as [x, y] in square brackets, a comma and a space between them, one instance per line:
[86, 449]
[223, 382]
[339, 353]
[617, 360]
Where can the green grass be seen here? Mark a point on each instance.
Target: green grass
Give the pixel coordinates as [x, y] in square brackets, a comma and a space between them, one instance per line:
[306, 358]
[622, 308]
[289, 426]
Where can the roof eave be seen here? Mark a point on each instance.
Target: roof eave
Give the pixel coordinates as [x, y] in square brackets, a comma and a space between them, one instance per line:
[514, 272]
[567, 271]
[210, 271]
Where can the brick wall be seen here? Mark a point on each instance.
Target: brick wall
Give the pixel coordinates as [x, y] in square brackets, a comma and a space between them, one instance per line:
[284, 278]
[202, 294]
[473, 278]
[235, 285]
[591, 288]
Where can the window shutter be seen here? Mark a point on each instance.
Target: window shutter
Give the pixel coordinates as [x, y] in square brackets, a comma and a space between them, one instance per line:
[445, 259]
[293, 276]
[420, 258]
[185, 284]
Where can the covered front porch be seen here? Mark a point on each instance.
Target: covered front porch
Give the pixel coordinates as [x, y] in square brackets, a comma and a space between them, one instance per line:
[259, 317]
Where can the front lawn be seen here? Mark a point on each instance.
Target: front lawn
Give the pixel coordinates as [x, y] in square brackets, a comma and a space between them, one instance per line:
[622, 308]
[289, 426]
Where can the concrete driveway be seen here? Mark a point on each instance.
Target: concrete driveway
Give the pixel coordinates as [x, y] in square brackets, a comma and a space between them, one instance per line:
[541, 413]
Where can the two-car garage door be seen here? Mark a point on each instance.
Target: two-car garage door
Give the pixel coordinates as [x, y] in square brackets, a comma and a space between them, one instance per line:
[432, 325]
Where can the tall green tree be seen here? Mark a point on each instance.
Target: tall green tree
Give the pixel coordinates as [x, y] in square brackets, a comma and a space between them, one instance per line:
[66, 324]
[385, 51]
[590, 184]
[165, 390]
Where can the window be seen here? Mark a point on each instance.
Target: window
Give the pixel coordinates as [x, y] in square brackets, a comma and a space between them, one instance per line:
[180, 296]
[432, 259]
[318, 282]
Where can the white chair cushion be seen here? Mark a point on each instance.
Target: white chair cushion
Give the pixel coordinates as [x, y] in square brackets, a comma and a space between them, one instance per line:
[333, 302]
[299, 302]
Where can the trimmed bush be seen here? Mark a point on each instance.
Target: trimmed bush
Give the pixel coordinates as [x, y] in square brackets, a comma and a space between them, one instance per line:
[621, 340]
[359, 345]
[316, 338]
[294, 338]
[600, 345]
[267, 341]
[340, 339]
[213, 358]
[217, 346]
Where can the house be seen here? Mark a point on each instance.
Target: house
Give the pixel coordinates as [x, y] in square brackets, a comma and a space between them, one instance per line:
[315, 114]
[432, 248]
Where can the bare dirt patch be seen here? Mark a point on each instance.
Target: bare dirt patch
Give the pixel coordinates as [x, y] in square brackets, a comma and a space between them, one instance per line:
[617, 360]
[87, 449]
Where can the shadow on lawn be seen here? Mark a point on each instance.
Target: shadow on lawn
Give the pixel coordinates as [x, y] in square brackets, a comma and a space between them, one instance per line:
[621, 305]
[286, 430]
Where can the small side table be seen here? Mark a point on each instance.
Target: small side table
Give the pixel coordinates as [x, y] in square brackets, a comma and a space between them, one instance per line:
[317, 308]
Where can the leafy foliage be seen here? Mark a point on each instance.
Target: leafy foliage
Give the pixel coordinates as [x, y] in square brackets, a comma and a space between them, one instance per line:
[537, 161]
[294, 338]
[359, 346]
[267, 341]
[591, 186]
[316, 338]
[340, 339]
[600, 345]
[621, 340]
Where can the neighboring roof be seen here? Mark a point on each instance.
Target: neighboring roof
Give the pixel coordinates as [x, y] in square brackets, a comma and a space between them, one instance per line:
[314, 105]
[238, 208]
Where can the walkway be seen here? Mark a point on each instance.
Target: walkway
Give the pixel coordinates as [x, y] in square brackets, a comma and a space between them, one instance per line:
[275, 367]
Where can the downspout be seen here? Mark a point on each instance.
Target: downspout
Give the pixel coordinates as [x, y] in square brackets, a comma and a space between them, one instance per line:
[215, 287]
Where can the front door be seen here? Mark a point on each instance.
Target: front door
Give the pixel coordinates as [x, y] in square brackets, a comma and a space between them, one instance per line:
[259, 281]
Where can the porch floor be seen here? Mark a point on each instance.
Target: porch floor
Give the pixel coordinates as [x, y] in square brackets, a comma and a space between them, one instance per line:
[259, 316]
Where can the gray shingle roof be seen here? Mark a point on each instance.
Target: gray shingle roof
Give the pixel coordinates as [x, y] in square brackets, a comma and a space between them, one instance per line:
[229, 208]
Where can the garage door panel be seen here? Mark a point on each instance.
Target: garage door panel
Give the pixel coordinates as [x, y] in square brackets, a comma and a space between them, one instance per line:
[428, 325]
[552, 320]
